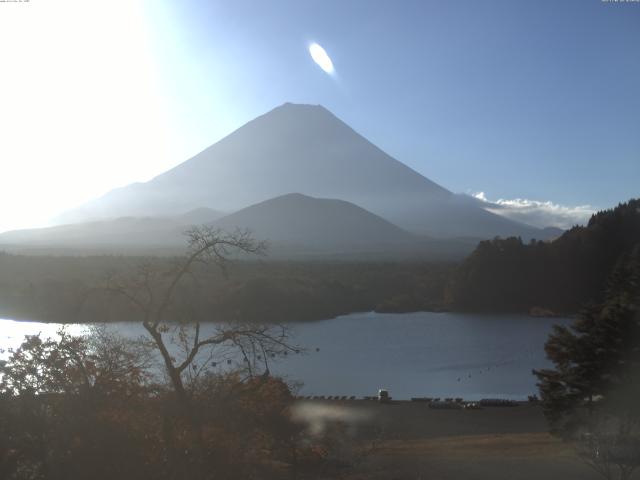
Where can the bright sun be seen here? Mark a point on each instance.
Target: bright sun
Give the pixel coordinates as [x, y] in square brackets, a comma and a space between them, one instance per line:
[320, 56]
[81, 108]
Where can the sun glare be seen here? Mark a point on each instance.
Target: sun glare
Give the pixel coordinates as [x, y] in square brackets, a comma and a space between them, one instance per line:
[322, 59]
[81, 111]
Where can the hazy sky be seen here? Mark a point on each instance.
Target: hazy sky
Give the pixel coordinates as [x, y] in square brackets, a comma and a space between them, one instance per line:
[531, 100]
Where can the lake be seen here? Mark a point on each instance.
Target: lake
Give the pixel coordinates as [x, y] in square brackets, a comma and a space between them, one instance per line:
[411, 354]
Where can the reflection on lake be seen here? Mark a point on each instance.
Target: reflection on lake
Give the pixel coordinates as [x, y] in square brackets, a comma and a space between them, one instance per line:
[412, 354]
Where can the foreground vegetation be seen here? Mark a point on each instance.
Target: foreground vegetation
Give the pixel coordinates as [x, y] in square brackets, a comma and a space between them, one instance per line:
[592, 395]
[77, 408]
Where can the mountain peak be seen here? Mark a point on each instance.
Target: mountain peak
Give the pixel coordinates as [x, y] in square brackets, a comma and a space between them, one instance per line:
[299, 112]
[301, 106]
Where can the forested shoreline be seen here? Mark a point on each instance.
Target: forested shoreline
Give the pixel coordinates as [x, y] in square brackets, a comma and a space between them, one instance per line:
[73, 289]
[508, 275]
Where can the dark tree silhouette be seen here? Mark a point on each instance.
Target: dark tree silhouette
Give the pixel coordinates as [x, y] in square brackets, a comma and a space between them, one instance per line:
[155, 294]
[592, 396]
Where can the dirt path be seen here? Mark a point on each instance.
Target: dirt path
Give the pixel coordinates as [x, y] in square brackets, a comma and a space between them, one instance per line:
[415, 442]
[523, 456]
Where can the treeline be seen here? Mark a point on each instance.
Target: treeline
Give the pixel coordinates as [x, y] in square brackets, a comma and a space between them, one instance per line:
[73, 289]
[559, 276]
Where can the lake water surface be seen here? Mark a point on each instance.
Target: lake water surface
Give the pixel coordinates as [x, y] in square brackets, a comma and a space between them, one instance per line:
[412, 354]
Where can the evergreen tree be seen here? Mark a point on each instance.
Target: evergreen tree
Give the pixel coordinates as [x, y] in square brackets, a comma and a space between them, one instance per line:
[592, 396]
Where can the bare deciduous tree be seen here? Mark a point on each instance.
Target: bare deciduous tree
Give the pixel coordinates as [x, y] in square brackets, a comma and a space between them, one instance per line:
[153, 293]
[159, 297]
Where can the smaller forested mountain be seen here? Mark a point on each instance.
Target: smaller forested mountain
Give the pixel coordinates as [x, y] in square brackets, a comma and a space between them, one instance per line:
[562, 275]
[295, 226]
[301, 221]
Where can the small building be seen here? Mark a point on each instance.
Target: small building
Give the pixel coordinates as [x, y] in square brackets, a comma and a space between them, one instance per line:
[383, 396]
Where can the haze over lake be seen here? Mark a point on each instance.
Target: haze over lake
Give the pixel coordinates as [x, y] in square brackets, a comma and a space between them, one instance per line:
[412, 354]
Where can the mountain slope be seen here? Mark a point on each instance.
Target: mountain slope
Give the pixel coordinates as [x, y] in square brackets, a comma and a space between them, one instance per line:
[123, 232]
[304, 148]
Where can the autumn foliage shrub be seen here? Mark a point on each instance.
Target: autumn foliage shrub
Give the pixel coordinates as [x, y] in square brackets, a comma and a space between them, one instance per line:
[70, 409]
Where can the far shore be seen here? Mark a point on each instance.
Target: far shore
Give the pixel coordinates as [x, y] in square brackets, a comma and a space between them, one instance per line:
[17, 317]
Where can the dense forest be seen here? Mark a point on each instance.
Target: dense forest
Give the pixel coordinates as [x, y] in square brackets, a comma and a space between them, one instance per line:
[558, 276]
[73, 289]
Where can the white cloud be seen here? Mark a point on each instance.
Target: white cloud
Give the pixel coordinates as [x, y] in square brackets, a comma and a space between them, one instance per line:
[481, 196]
[538, 213]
